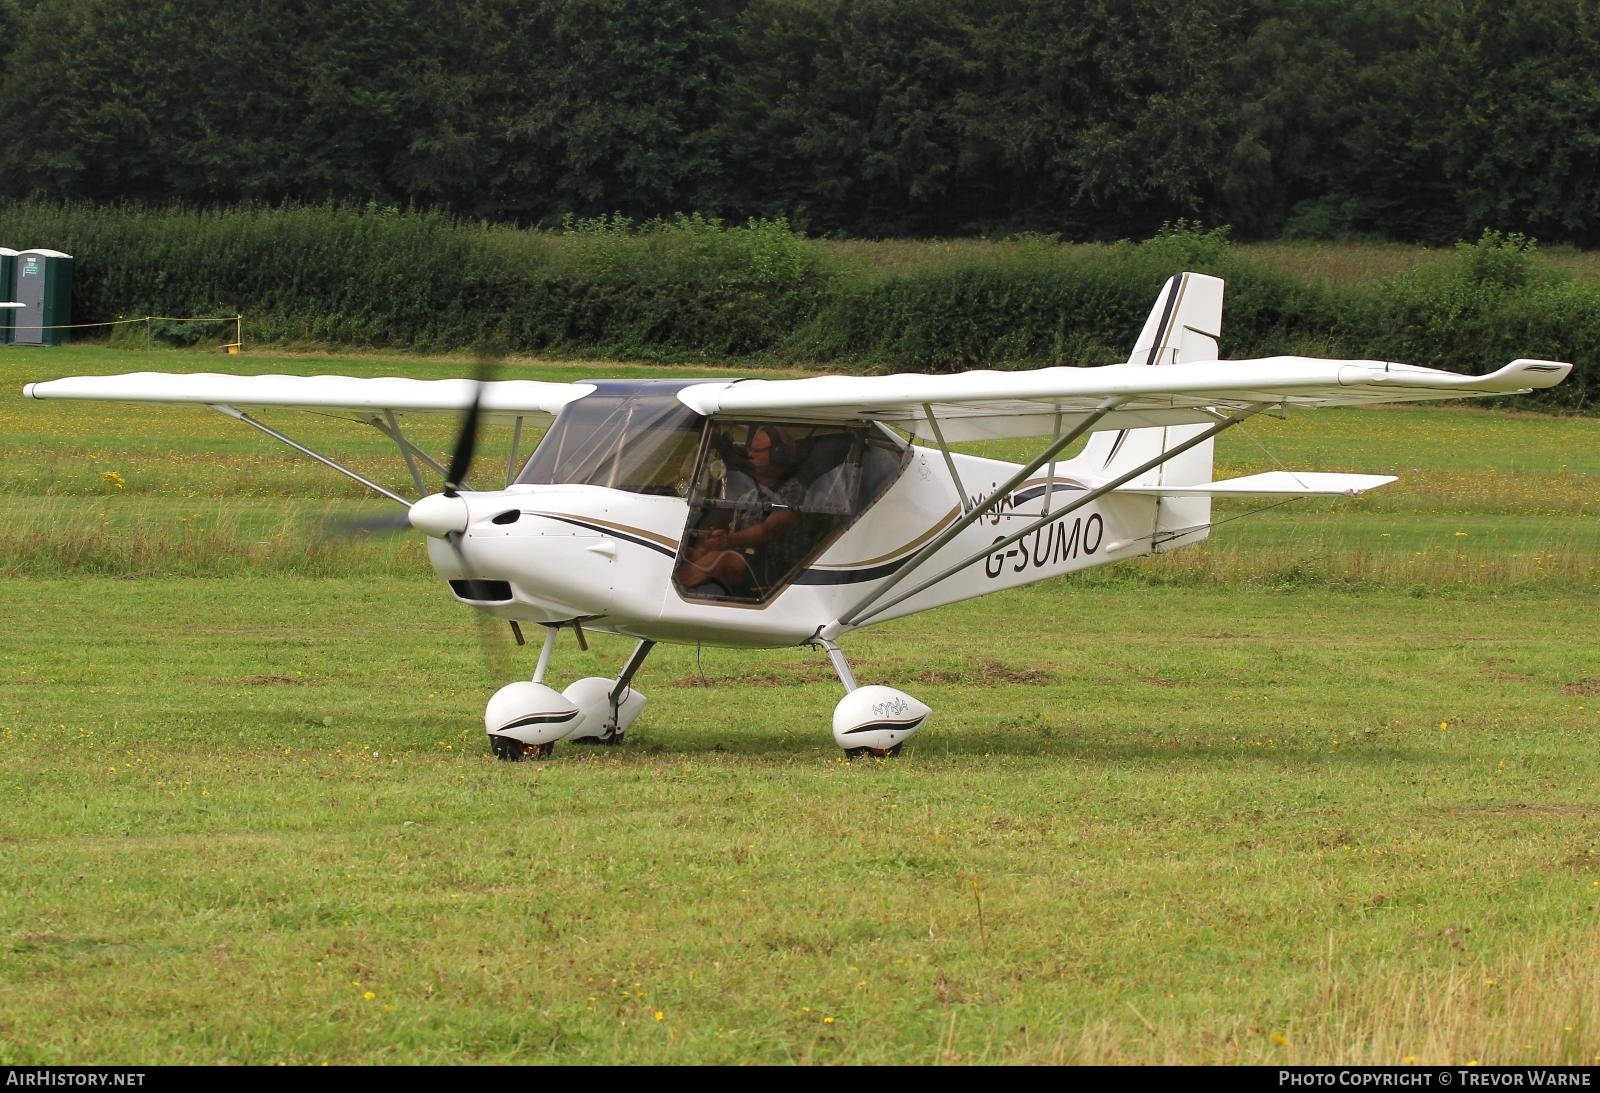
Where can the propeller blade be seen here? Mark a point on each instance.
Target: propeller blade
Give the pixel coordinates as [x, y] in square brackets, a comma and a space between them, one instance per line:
[467, 438]
[386, 524]
[497, 656]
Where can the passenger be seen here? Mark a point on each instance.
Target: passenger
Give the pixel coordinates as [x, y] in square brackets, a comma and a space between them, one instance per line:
[755, 549]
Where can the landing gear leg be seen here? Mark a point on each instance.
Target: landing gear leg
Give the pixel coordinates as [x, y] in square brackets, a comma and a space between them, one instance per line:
[545, 650]
[840, 665]
[871, 722]
[635, 662]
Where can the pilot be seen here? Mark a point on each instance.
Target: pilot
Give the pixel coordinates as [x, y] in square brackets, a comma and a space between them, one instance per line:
[754, 548]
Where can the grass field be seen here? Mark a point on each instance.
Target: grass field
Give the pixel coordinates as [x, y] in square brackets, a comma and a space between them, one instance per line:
[1321, 790]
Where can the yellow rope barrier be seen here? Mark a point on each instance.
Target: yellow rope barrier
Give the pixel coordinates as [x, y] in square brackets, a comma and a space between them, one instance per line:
[231, 347]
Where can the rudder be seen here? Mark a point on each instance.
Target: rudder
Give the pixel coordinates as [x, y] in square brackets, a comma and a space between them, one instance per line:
[1183, 326]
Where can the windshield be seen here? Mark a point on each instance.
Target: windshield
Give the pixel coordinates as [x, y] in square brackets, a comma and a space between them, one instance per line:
[626, 436]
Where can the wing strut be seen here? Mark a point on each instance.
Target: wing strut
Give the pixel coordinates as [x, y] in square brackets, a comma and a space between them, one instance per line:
[859, 615]
[972, 515]
[408, 449]
[944, 449]
[405, 450]
[240, 415]
[511, 460]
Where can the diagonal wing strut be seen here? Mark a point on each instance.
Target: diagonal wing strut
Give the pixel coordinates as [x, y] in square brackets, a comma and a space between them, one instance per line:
[875, 603]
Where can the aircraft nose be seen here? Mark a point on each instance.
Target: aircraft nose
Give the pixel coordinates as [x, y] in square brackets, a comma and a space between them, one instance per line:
[438, 515]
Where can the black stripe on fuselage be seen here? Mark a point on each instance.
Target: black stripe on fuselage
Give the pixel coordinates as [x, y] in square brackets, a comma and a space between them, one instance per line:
[611, 531]
[847, 576]
[809, 577]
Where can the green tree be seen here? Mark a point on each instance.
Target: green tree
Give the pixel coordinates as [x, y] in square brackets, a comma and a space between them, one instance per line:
[10, 24]
[853, 116]
[1475, 115]
[218, 100]
[103, 87]
[1528, 143]
[608, 106]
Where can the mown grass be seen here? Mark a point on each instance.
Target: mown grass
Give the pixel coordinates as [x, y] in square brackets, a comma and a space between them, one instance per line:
[1235, 805]
[1192, 826]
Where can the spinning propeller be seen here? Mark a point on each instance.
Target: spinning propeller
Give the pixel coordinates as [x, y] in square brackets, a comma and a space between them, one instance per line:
[467, 438]
[442, 515]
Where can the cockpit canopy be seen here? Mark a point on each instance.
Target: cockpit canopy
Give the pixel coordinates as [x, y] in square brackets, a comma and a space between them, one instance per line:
[625, 436]
[818, 478]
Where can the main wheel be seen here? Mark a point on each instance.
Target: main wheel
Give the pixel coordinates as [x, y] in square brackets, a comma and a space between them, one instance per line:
[612, 741]
[873, 753]
[514, 751]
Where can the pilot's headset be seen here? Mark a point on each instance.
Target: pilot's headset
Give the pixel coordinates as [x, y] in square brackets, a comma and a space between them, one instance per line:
[782, 454]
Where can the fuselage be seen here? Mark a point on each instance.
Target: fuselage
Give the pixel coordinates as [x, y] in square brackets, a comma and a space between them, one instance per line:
[553, 553]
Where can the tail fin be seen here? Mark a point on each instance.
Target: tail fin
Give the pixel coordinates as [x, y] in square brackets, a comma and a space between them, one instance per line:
[1183, 326]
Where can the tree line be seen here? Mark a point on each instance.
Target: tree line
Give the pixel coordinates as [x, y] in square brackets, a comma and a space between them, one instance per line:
[1424, 120]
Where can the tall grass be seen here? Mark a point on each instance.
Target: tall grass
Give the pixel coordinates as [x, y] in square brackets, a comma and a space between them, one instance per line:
[1536, 1005]
[197, 539]
[1571, 560]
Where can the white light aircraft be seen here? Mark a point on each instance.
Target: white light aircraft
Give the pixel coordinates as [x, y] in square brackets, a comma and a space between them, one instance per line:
[792, 512]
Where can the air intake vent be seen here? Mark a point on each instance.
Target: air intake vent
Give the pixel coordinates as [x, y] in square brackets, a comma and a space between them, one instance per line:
[482, 591]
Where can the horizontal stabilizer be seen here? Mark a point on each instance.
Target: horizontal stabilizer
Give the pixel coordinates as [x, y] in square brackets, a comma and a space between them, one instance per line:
[1282, 483]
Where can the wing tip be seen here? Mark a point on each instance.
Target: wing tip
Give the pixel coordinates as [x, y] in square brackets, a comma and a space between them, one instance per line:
[1537, 373]
[1521, 376]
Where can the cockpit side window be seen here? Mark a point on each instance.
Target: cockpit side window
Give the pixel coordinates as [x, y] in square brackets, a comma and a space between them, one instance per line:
[769, 497]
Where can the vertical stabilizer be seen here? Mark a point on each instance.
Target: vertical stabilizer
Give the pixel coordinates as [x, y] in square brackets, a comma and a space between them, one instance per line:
[1184, 325]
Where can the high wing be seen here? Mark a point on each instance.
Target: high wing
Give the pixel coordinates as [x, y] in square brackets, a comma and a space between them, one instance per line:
[376, 402]
[978, 405]
[501, 400]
